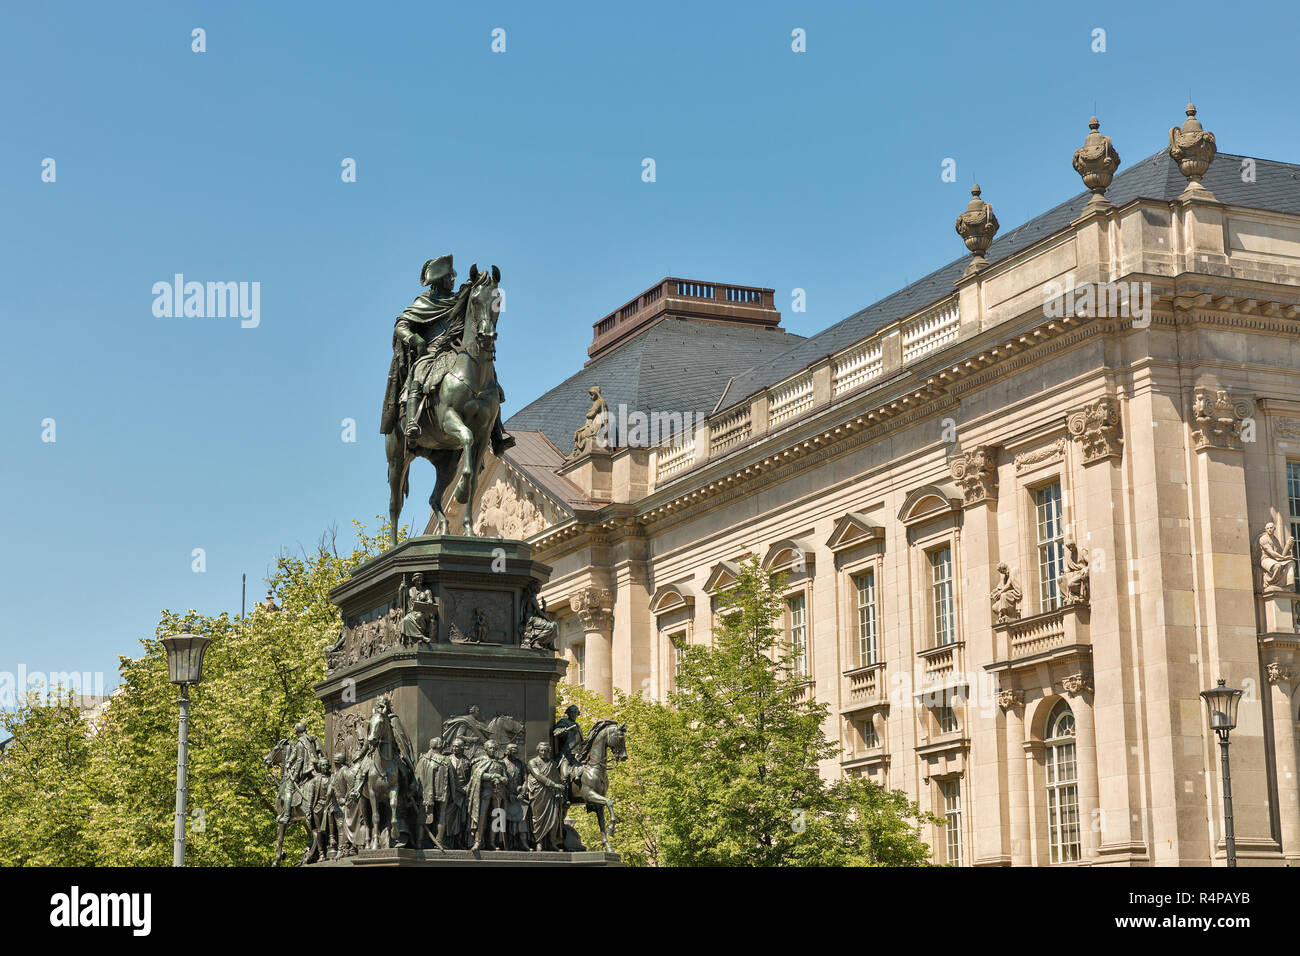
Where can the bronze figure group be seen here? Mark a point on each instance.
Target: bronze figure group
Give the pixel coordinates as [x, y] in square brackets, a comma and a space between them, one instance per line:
[475, 793]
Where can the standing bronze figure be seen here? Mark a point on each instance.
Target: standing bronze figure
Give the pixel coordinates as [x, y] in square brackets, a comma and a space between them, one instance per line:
[442, 388]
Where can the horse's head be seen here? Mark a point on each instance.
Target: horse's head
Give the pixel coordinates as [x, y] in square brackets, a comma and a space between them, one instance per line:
[275, 756]
[483, 311]
[618, 742]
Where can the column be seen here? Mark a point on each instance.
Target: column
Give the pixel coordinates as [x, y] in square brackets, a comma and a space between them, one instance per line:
[1091, 821]
[1013, 704]
[595, 608]
[1284, 757]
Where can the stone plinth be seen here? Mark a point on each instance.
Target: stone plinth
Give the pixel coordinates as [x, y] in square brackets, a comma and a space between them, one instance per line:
[479, 586]
[1279, 610]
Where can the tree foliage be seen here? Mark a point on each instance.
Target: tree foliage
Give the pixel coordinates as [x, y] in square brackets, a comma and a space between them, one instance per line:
[728, 774]
[257, 683]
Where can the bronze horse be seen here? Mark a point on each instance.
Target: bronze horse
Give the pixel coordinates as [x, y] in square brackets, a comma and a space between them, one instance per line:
[298, 811]
[456, 419]
[390, 803]
[589, 782]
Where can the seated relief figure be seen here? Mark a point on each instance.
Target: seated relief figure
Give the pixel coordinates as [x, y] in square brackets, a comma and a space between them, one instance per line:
[595, 433]
[1005, 597]
[1073, 581]
[536, 629]
[1276, 559]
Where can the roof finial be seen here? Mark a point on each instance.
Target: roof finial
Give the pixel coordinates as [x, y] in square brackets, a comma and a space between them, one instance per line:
[1193, 148]
[1096, 161]
[977, 226]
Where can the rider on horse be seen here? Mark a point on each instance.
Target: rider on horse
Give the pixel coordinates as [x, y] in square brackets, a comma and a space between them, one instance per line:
[299, 765]
[568, 741]
[425, 339]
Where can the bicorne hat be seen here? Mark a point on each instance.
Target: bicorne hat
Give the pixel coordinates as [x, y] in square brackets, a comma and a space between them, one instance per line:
[435, 269]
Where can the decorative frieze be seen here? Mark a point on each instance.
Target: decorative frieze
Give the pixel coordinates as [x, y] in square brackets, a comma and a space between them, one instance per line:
[1040, 456]
[1095, 427]
[1287, 427]
[976, 472]
[1217, 419]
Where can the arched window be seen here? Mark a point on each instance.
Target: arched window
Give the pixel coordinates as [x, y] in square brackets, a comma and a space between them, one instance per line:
[1062, 785]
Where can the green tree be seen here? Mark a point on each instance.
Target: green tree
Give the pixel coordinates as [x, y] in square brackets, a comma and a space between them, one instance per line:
[642, 787]
[43, 786]
[747, 787]
[257, 683]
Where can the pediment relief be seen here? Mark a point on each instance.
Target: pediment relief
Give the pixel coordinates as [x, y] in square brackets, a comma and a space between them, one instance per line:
[508, 508]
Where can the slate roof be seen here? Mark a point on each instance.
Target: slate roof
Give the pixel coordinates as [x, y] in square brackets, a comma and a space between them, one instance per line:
[1277, 187]
[673, 366]
[537, 457]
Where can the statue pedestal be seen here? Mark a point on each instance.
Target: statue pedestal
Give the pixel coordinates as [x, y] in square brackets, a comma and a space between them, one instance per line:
[479, 586]
[410, 858]
[1279, 610]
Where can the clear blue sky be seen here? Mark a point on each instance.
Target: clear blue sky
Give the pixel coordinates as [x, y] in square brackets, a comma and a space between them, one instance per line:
[818, 170]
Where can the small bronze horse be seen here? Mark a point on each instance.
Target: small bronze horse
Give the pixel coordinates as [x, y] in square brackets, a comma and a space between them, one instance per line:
[456, 419]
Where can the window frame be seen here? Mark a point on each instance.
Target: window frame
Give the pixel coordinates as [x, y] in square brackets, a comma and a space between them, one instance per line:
[1061, 757]
[1048, 593]
[932, 598]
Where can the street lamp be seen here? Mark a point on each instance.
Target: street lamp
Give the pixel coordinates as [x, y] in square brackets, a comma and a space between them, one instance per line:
[1221, 702]
[184, 667]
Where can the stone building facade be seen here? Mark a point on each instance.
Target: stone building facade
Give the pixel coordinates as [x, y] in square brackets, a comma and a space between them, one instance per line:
[1021, 503]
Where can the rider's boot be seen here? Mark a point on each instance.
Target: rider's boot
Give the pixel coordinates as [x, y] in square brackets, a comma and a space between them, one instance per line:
[413, 415]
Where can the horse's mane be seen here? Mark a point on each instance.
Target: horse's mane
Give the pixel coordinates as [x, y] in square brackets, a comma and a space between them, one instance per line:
[596, 730]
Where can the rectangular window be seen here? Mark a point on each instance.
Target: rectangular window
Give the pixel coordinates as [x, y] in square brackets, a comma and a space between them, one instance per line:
[952, 814]
[580, 664]
[945, 630]
[865, 585]
[797, 606]
[870, 739]
[947, 718]
[1051, 545]
[1293, 500]
[677, 647]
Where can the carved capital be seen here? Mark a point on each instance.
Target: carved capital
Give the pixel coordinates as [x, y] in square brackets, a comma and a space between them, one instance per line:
[1007, 699]
[977, 473]
[1277, 673]
[1077, 684]
[1095, 427]
[595, 606]
[1218, 418]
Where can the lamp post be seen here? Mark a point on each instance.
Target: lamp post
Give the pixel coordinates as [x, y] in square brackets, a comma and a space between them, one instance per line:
[184, 667]
[1221, 702]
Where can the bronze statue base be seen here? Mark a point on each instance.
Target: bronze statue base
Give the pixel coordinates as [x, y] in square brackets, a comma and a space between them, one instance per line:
[395, 857]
